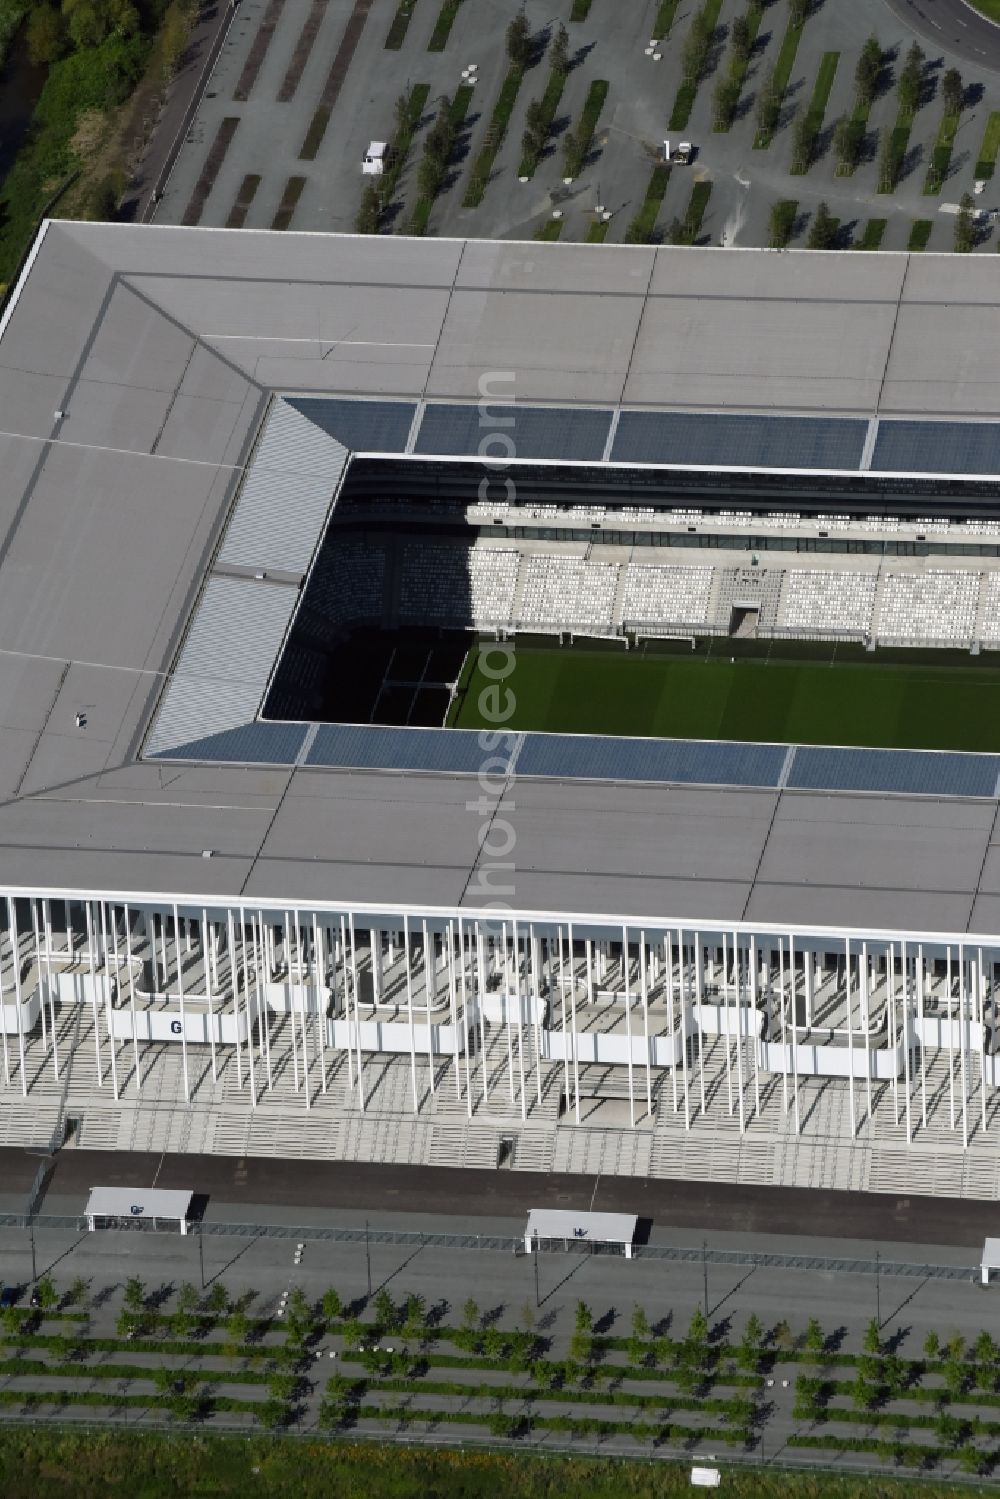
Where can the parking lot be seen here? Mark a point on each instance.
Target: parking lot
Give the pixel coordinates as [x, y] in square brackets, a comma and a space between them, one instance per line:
[302, 86]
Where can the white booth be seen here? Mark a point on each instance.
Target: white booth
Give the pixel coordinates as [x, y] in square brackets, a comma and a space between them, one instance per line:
[112, 1207]
[576, 1227]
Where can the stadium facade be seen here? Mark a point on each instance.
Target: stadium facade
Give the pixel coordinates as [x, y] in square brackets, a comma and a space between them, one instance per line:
[232, 923]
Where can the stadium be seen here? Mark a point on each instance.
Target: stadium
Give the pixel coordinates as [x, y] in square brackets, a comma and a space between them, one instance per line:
[498, 704]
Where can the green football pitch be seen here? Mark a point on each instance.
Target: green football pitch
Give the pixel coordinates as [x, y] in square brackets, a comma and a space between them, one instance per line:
[872, 703]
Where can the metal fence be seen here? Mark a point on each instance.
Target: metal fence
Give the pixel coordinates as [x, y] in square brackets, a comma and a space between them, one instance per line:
[514, 1244]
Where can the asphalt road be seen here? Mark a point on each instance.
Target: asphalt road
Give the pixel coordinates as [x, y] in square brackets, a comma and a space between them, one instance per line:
[704, 1206]
[953, 25]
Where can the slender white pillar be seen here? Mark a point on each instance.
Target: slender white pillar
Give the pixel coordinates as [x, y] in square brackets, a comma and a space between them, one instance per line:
[963, 1020]
[866, 1015]
[88, 916]
[180, 994]
[319, 958]
[16, 944]
[206, 960]
[357, 1013]
[628, 1026]
[453, 1007]
[724, 1020]
[683, 1018]
[643, 981]
[520, 1015]
[755, 1024]
[905, 965]
[430, 984]
[108, 1004]
[135, 1029]
[47, 918]
[850, 1032]
[464, 983]
[951, 1037]
[739, 1026]
[572, 999]
[795, 1027]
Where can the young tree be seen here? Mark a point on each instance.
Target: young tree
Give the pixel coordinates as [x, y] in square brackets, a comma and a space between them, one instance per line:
[697, 1334]
[965, 233]
[932, 1346]
[769, 105]
[519, 41]
[868, 70]
[748, 1353]
[781, 222]
[952, 91]
[804, 141]
[911, 80]
[798, 10]
[640, 1323]
[217, 1300]
[48, 1296]
[822, 230]
[815, 1340]
[559, 51]
[848, 142]
[725, 101]
[369, 215]
[739, 35]
[470, 1314]
[872, 1342]
[888, 164]
[695, 48]
[385, 1311]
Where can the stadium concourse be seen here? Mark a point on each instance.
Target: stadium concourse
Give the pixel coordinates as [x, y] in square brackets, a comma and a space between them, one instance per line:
[235, 923]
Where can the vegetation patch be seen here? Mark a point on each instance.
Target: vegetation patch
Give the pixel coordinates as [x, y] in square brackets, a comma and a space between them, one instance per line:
[396, 35]
[809, 125]
[873, 235]
[640, 231]
[986, 165]
[920, 234]
[442, 26]
[773, 89]
[695, 54]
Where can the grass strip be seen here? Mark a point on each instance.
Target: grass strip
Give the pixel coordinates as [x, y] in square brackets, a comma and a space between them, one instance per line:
[920, 234]
[665, 15]
[986, 165]
[782, 73]
[549, 231]
[598, 231]
[459, 108]
[580, 10]
[873, 235]
[740, 66]
[402, 141]
[549, 104]
[583, 135]
[640, 231]
[688, 91]
[289, 201]
[820, 98]
[858, 118]
[248, 191]
[912, 1454]
[663, 1431]
[396, 35]
[443, 25]
[697, 203]
[496, 130]
[937, 167]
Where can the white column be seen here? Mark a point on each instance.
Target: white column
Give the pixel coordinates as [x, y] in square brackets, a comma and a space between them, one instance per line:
[890, 973]
[850, 1033]
[430, 985]
[923, 1047]
[357, 1012]
[724, 1016]
[866, 1010]
[507, 985]
[131, 991]
[481, 976]
[963, 1020]
[628, 1025]
[264, 968]
[38, 966]
[206, 960]
[464, 983]
[347, 1001]
[669, 946]
[699, 981]
[981, 990]
[784, 1025]
[951, 1038]
[235, 985]
[755, 1023]
[301, 987]
[572, 998]
[905, 964]
[739, 1025]
[16, 943]
[453, 1007]
[795, 1028]
[180, 993]
[246, 986]
[562, 1007]
[47, 918]
[643, 980]
[520, 1019]
[409, 1009]
[290, 991]
[107, 1002]
[88, 916]
[684, 992]
[319, 957]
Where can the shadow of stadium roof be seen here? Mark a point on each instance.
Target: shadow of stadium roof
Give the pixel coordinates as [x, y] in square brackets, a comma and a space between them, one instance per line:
[136, 367]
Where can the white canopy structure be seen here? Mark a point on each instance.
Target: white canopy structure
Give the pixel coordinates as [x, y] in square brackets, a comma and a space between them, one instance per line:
[147, 1203]
[572, 1225]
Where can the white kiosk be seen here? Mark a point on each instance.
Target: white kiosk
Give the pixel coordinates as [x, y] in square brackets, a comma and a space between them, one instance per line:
[577, 1228]
[112, 1207]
